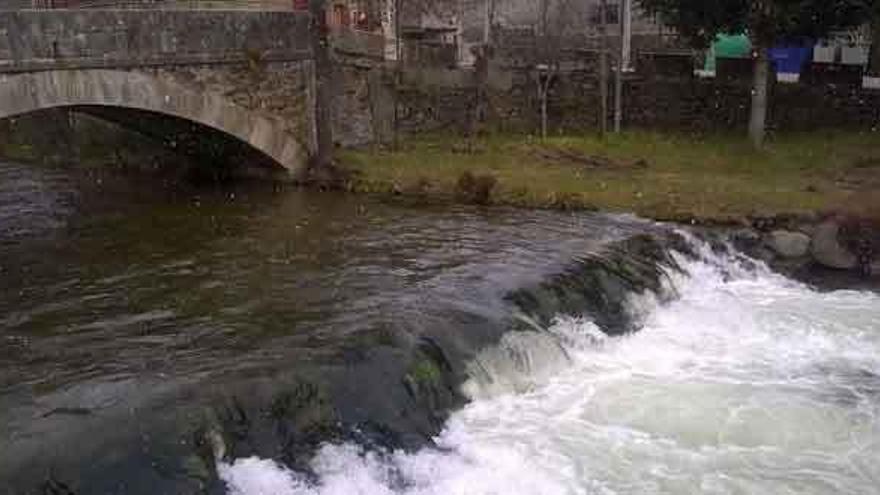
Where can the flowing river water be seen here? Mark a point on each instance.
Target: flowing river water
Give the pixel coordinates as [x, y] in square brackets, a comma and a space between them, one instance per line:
[250, 342]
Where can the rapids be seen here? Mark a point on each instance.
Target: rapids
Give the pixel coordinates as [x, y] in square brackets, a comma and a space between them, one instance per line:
[745, 382]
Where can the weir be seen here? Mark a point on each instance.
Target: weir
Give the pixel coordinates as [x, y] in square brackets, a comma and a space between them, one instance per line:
[711, 394]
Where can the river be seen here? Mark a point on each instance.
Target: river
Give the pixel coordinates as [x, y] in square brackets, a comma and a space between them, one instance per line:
[255, 342]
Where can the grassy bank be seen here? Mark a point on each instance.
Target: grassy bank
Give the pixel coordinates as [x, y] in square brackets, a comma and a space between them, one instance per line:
[663, 176]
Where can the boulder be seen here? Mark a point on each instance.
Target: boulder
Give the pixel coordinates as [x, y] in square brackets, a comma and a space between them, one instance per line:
[827, 250]
[788, 244]
[746, 239]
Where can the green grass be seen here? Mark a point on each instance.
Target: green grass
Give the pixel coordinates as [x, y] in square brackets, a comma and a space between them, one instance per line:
[663, 176]
[17, 151]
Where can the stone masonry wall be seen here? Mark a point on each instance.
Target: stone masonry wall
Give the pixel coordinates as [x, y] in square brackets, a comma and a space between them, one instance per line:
[363, 107]
[257, 60]
[279, 90]
[711, 105]
[353, 122]
[651, 101]
[35, 40]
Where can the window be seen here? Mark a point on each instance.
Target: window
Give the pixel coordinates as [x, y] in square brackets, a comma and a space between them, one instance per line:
[341, 15]
[361, 20]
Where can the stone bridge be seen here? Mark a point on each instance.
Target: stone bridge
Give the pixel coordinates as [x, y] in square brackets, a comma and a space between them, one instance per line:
[246, 74]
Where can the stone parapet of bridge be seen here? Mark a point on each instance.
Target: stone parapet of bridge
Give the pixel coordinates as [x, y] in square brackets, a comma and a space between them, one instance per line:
[279, 5]
[64, 39]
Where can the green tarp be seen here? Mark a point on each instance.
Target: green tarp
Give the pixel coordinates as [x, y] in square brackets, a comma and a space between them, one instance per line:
[728, 46]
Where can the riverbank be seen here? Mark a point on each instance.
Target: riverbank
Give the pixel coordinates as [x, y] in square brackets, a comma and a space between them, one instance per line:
[807, 204]
[715, 180]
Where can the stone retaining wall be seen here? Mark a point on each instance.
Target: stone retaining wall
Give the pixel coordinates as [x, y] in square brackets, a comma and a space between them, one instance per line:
[650, 101]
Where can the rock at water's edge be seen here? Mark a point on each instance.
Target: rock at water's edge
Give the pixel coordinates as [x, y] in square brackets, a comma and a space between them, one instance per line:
[789, 244]
[827, 250]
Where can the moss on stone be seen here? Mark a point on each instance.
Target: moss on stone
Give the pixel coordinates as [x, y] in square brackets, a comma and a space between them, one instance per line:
[425, 372]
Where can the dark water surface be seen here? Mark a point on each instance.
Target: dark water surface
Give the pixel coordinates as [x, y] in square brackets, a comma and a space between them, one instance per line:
[129, 311]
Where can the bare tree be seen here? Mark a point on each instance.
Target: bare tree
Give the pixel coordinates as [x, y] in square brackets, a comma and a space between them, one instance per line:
[547, 67]
[398, 70]
[603, 68]
[623, 60]
[556, 22]
[874, 65]
[549, 53]
[489, 21]
[482, 61]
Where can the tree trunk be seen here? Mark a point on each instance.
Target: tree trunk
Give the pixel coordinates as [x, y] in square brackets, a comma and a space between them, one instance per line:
[618, 97]
[603, 68]
[323, 66]
[544, 90]
[488, 22]
[603, 92]
[621, 65]
[481, 67]
[758, 119]
[874, 63]
[398, 74]
[477, 114]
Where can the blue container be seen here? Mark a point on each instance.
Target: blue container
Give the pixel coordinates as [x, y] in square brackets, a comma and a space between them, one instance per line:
[791, 59]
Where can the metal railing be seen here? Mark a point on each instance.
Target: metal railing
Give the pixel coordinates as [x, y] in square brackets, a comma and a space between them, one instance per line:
[263, 5]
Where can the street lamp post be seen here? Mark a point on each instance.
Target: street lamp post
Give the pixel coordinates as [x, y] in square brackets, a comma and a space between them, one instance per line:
[544, 80]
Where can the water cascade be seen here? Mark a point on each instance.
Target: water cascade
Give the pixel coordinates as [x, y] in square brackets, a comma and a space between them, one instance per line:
[737, 381]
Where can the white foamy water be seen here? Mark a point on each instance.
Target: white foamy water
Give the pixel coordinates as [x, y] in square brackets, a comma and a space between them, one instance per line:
[746, 384]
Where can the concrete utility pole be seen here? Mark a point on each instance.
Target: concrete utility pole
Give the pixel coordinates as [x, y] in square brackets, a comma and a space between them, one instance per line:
[488, 21]
[398, 71]
[626, 30]
[874, 64]
[624, 60]
[323, 66]
[603, 68]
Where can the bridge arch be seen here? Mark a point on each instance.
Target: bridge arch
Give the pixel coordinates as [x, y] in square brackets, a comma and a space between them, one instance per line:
[31, 92]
